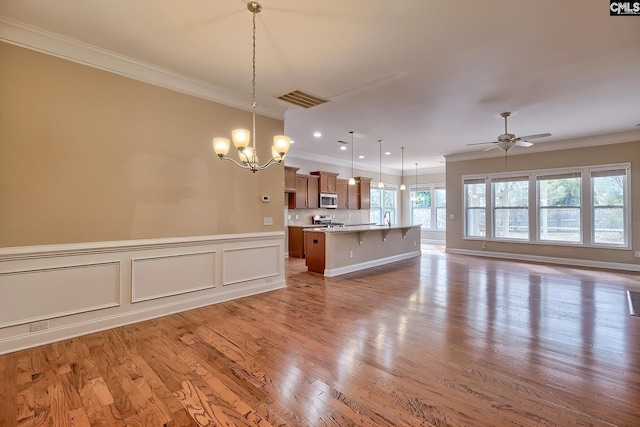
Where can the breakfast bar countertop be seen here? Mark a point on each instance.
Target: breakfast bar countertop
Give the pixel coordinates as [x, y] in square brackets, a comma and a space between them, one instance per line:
[359, 228]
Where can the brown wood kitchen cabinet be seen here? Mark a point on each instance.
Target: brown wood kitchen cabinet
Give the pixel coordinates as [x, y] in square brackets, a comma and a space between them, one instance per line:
[296, 241]
[327, 181]
[342, 188]
[290, 179]
[307, 195]
[364, 192]
[315, 247]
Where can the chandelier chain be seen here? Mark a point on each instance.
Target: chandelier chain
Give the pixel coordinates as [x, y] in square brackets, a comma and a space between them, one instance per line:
[253, 81]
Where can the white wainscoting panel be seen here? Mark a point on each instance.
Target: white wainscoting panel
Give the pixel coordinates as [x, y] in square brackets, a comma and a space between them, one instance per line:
[158, 277]
[245, 264]
[88, 287]
[31, 295]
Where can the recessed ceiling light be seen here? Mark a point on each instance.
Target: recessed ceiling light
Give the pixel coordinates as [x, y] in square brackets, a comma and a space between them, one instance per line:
[343, 147]
[317, 134]
[361, 157]
[292, 141]
[388, 153]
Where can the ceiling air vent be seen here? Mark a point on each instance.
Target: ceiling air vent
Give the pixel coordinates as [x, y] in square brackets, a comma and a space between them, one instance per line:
[301, 99]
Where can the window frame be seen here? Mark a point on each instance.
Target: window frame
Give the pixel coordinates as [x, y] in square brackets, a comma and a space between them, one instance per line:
[474, 180]
[626, 205]
[508, 179]
[561, 174]
[587, 205]
[431, 188]
[383, 208]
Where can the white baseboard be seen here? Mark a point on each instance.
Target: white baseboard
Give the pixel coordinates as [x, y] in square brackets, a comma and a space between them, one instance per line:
[547, 260]
[368, 264]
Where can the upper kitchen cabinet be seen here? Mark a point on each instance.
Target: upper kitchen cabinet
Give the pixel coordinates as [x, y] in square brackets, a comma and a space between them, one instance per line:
[342, 188]
[328, 181]
[290, 179]
[364, 192]
[307, 195]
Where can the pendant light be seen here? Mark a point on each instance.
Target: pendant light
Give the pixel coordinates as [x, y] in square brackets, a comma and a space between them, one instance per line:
[402, 186]
[352, 180]
[380, 183]
[242, 137]
[415, 189]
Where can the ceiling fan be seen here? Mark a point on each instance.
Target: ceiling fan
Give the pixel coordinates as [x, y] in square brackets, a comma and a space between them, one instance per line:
[507, 141]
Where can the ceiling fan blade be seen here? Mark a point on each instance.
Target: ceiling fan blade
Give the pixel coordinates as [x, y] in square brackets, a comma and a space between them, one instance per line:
[490, 148]
[539, 135]
[523, 143]
[484, 143]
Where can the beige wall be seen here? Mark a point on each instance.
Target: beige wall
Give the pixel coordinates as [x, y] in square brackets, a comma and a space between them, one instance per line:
[606, 154]
[87, 155]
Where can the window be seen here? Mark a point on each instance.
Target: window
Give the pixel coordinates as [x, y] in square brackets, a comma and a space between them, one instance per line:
[587, 205]
[421, 207]
[441, 209]
[426, 213]
[559, 218]
[510, 207]
[608, 189]
[475, 202]
[383, 200]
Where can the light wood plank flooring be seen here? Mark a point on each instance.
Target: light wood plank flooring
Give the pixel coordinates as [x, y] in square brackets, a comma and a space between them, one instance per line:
[441, 340]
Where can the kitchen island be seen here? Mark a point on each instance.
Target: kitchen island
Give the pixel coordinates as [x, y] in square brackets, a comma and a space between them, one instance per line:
[333, 251]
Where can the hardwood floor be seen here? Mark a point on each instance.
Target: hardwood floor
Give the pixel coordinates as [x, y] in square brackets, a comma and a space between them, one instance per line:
[441, 340]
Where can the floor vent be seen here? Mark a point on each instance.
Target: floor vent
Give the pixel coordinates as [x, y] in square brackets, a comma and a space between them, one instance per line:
[302, 99]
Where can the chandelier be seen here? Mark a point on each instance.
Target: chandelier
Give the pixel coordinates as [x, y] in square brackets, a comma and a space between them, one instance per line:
[242, 137]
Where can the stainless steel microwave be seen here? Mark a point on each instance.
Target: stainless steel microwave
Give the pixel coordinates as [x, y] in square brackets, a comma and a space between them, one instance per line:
[328, 201]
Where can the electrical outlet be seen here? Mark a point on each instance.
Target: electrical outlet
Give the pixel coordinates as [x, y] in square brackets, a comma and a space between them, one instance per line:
[350, 254]
[484, 245]
[39, 326]
[637, 254]
[415, 243]
[269, 279]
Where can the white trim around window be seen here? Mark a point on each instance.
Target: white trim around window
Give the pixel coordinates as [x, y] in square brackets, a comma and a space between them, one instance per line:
[432, 215]
[587, 206]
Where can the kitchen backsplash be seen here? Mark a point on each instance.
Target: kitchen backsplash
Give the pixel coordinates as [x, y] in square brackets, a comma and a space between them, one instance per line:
[348, 217]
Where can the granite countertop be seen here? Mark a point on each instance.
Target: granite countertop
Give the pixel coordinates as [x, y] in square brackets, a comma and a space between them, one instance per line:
[359, 228]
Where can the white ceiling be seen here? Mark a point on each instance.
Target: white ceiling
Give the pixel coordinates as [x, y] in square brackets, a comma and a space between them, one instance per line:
[429, 75]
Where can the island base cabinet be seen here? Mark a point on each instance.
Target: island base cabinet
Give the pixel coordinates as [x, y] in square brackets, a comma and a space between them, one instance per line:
[296, 242]
[314, 251]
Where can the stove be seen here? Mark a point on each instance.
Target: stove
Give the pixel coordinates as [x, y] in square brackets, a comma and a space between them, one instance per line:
[324, 221]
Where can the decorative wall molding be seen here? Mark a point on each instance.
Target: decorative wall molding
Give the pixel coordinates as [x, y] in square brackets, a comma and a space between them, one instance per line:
[164, 276]
[64, 290]
[243, 264]
[88, 287]
[547, 260]
[53, 44]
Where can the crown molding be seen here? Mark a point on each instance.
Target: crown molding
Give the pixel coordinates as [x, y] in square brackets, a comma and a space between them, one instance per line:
[49, 43]
[562, 144]
[319, 158]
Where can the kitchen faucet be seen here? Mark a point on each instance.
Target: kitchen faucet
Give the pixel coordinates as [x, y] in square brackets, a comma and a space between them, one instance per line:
[389, 219]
